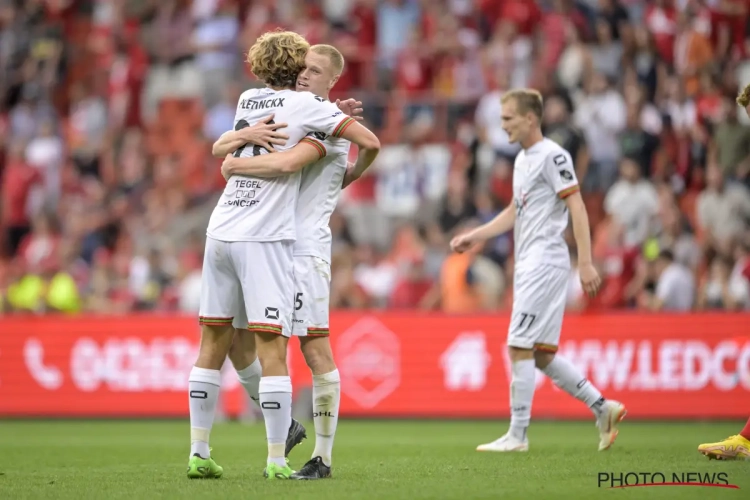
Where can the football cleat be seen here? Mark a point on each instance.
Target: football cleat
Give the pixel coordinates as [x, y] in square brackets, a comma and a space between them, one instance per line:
[296, 434]
[504, 444]
[732, 448]
[608, 421]
[203, 468]
[313, 469]
[273, 472]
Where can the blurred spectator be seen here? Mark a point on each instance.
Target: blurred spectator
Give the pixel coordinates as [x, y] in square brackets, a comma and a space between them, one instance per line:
[395, 21]
[674, 236]
[469, 282]
[637, 142]
[632, 202]
[45, 153]
[575, 59]
[731, 139]
[214, 41]
[606, 52]
[692, 50]
[601, 115]
[17, 182]
[723, 207]
[175, 73]
[675, 286]
[718, 290]
[458, 205]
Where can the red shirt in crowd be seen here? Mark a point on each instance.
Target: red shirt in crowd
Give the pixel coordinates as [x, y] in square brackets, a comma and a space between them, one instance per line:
[662, 24]
[524, 14]
[17, 181]
[619, 270]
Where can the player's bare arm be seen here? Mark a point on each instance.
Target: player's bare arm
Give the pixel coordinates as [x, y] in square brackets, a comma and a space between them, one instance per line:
[265, 134]
[308, 151]
[369, 147]
[502, 223]
[589, 277]
[273, 165]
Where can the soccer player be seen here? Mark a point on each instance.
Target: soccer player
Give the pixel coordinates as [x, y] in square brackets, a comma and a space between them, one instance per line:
[248, 262]
[737, 446]
[545, 189]
[325, 173]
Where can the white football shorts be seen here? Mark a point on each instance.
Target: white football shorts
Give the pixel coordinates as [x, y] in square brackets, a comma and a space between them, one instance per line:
[312, 283]
[250, 281]
[539, 298]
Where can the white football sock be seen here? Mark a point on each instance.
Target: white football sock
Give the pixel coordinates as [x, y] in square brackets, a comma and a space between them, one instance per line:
[250, 379]
[570, 379]
[326, 398]
[276, 404]
[203, 391]
[521, 396]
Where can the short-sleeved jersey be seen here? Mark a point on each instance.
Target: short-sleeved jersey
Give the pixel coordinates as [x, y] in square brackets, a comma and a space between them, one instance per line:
[262, 209]
[319, 192]
[543, 176]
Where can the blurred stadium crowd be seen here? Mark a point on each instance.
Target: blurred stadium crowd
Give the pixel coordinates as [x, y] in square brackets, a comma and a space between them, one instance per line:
[109, 108]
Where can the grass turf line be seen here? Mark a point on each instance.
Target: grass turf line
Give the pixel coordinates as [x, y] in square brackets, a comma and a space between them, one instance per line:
[372, 460]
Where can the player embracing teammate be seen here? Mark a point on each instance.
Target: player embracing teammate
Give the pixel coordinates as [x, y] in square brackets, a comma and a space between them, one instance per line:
[270, 228]
[545, 190]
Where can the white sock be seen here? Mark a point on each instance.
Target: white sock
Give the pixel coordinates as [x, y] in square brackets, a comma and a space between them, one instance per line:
[326, 398]
[570, 379]
[276, 403]
[203, 391]
[250, 379]
[521, 396]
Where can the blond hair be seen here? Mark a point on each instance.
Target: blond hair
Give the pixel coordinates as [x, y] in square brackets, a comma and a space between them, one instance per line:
[277, 57]
[744, 98]
[527, 101]
[333, 54]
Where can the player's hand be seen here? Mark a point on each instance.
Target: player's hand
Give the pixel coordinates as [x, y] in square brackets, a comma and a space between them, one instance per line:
[351, 107]
[226, 167]
[590, 279]
[264, 134]
[349, 176]
[462, 242]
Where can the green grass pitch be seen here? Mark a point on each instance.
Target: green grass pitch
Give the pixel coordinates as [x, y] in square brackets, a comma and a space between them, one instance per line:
[373, 460]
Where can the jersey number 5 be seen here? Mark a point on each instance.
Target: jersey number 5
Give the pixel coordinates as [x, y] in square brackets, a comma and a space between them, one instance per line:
[256, 149]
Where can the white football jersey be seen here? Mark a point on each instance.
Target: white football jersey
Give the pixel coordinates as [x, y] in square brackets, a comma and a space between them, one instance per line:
[262, 209]
[319, 193]
[543, 176]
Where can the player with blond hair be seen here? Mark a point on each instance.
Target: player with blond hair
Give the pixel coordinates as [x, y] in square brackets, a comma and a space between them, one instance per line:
[323, 161]
[545, 190]
[248, 269]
